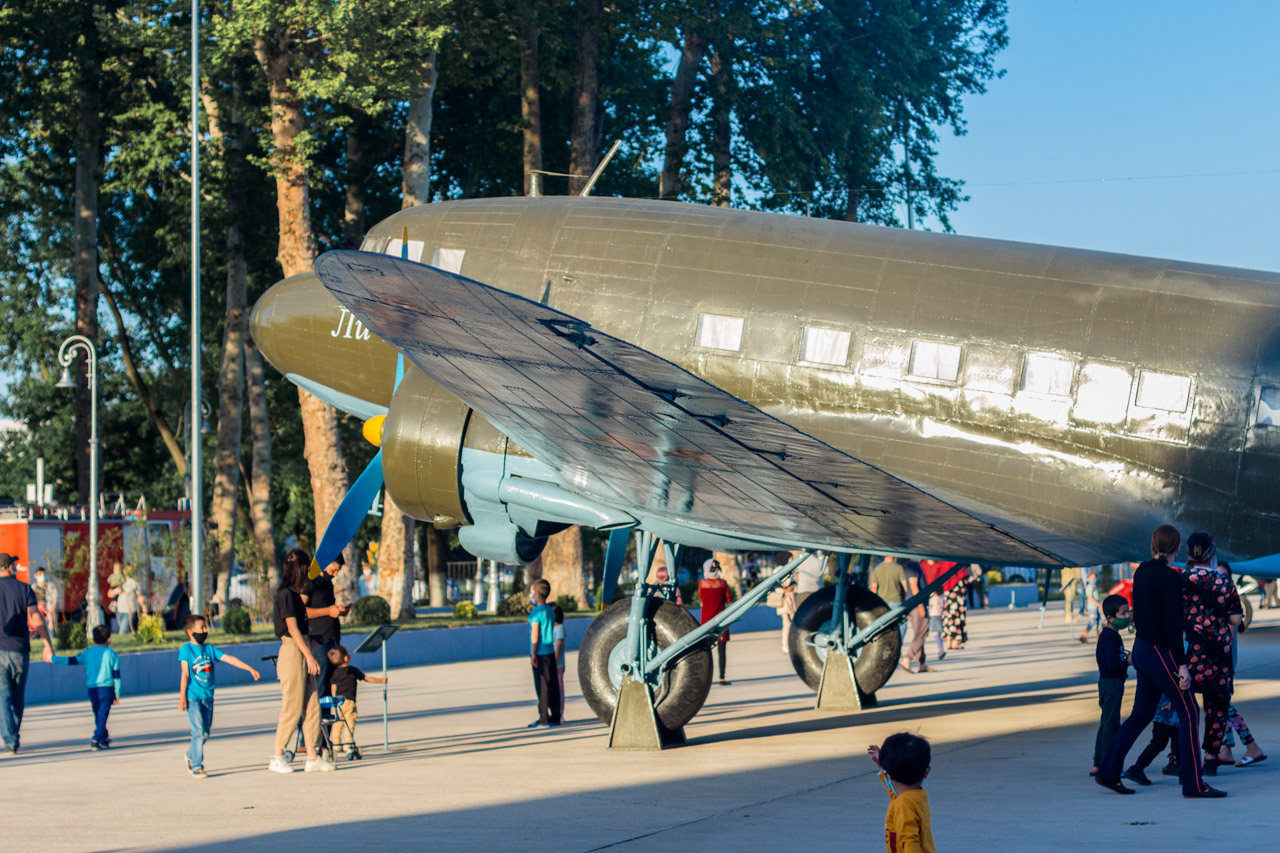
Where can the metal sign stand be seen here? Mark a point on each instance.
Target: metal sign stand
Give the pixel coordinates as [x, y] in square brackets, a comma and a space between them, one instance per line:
[376, 640]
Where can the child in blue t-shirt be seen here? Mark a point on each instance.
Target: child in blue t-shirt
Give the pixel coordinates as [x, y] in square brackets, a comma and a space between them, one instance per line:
[542, 656]
[195, 696]
[102, 677]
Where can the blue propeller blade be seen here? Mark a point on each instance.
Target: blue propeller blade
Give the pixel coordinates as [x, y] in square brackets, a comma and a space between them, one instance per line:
[351, 512]
[614, 555]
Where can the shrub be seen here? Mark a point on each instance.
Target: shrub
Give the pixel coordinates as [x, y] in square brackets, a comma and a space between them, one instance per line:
[237, 620]
[567, 603]
[517, 604]
[70, 635]
[372, 610]
[151, 630]
[465, 610]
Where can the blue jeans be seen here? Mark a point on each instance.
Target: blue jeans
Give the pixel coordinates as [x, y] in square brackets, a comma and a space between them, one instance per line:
[13, 692]
[101, 698]
[200, 713]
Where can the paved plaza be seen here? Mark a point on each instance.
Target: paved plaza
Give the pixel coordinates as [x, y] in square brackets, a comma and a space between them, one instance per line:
[1011, 718]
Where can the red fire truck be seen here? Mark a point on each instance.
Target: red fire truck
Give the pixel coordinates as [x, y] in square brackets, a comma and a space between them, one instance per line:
[56, 537]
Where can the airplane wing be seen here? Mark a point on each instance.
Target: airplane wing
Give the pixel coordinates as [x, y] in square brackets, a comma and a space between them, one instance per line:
[629, 429]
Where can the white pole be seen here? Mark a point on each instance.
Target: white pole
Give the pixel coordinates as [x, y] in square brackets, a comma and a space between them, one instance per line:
[196, 570]
[385, 748]
[94, 611]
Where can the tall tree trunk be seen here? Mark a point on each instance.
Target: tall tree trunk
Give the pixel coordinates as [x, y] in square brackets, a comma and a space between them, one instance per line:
[415, 185]
[139, 383]
[259, 481]
[853, 197]
[585, 133]
[722, 129]
[395, 560]
[530, 101]
[296, 252]
[691, 53]
[435, 558]
[88, 142]
[353, 206]
[562, 565]
[226, 478]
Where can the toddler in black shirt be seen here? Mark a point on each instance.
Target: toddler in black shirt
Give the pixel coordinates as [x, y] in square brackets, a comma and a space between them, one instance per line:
[1113, 670]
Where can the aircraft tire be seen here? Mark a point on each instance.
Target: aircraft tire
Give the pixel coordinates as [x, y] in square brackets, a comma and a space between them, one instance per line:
[686, 685]
[878, 659]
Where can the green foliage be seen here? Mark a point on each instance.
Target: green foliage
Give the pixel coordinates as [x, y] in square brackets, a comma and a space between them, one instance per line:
[237, 620]
[568, 603]
[465, 610]
[70, 635]
[151, 630]
[516, 604]
[372, 610]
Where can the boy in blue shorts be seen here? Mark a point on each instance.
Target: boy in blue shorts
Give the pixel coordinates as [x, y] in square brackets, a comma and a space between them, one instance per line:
[195, 696]
[102, 678]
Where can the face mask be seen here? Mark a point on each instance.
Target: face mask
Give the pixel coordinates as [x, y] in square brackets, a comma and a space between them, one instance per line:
[1121, 622]
[199, 637]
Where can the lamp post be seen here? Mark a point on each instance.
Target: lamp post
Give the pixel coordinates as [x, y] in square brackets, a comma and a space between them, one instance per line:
[66, 355]
[195, 572]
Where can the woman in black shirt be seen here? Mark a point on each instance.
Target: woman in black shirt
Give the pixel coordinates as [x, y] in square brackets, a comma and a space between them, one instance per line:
[1160, 661]
[296, 667]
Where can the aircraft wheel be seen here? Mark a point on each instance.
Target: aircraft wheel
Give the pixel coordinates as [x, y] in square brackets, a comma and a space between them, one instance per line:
[876, 661]
[684, 689]
[1248, 613]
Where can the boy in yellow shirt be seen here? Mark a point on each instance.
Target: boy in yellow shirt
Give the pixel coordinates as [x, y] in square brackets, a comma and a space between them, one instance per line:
[903, 760]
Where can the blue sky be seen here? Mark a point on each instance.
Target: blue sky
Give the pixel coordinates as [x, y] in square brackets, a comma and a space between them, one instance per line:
[1146, 95]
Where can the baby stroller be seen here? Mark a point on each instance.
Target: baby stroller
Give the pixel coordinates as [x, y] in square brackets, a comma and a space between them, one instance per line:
[329, 714]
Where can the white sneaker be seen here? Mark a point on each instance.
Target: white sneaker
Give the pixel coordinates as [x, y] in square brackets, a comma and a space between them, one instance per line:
[279, 765]
[318, 765]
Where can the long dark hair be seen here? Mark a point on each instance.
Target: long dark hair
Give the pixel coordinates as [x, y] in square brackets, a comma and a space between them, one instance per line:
[1164, 541]
[293, 574]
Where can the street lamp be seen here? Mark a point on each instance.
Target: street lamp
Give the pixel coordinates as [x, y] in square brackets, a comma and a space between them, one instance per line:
[66, 356]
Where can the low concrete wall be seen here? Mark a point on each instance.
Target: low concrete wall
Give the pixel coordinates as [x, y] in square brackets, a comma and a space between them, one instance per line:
[157, 672]
[1013, 595]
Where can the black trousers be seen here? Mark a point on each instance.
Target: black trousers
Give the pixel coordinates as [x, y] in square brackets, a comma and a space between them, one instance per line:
[547, 682]
[1161, 736]
[1110, 695]
[1158, 676]
[321, 653]
[720, 655]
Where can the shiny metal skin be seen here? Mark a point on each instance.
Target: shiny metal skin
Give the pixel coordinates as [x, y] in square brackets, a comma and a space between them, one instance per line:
[1075, 399]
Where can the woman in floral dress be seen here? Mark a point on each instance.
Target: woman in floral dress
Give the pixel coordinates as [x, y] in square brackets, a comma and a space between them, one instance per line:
[954, 612]
[1211, 608]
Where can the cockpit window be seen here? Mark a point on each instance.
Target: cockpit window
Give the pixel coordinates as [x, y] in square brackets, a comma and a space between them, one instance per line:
[1163, 391]
[824, 346]
[719, 332]
[449, 260]
[1269, 406]
[1047, 374]
[933, 360]
[395, 248]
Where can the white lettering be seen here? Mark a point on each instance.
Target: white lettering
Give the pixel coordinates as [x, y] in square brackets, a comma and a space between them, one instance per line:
[341, 318]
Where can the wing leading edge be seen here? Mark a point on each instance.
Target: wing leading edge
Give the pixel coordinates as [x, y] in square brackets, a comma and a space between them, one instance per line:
[630, 429]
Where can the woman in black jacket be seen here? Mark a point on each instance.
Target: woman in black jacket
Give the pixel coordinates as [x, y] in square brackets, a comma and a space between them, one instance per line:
[1160, 661]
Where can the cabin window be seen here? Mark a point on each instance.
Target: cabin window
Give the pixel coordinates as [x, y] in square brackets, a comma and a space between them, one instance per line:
[932, 360]
[1047, 374]
[396, 249]
[1268, 406]
[824, 346]
[720, 332]
[449, 260]
[1163, 391]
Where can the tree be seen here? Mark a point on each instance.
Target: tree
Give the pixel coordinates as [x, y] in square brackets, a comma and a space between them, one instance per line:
[562, 565]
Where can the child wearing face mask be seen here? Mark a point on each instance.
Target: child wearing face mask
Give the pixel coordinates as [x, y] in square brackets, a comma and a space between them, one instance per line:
[195, 695]
[1113, 671]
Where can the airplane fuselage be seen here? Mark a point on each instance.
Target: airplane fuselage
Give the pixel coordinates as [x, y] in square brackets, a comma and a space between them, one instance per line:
[1074, 398]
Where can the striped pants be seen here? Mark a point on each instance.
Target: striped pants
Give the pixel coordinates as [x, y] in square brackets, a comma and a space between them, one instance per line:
[1158, 676]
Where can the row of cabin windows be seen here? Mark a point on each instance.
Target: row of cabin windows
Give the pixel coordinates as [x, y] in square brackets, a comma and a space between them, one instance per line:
[1042, 373]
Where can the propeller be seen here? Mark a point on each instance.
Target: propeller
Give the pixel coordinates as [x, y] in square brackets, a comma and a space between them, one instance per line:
[355, 504]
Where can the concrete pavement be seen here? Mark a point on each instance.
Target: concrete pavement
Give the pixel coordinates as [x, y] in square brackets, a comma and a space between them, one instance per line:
[1011, 718]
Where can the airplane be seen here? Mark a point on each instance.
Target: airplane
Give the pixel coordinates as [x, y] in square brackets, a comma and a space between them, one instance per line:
[737, 380]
